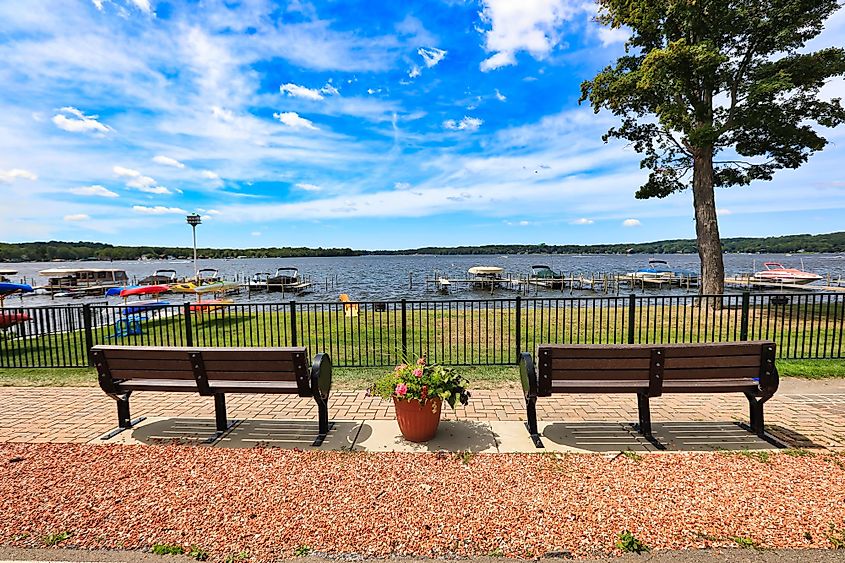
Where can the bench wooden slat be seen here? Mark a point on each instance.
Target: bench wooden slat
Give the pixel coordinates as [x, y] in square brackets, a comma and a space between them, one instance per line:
[565, 351]
[709, 385]
[141, 384]
[220, 386]
[712, 373]
[245, 354]
[594, 386]
[175, 374]
[250, 375]
[246, 366]
[716, 349]
[130, 353]
[599, 375]
[692, 362]
[118, 365]
[567, 364]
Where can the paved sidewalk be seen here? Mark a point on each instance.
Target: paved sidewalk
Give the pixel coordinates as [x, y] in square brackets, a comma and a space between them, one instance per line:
[804, 415]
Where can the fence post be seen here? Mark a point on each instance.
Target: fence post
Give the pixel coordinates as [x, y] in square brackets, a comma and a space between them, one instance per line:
[404, 330]
[89, 334]
[743, 326]
[518, 327]
[189, 331]
[293, 337]
[632, 304]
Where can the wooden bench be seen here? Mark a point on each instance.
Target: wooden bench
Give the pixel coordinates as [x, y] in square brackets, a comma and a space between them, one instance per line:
[212, 372]
[649, 370]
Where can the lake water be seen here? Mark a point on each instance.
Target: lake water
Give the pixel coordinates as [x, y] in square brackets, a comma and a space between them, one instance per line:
[368, 278]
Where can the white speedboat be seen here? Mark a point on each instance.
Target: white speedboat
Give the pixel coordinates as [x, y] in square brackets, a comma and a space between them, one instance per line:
[775, 272]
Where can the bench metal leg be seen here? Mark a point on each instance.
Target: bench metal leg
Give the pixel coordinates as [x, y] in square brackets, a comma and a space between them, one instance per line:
[124, 419]
[756, 414]
[220, 420]
[323, 418]
[531, 423]
[644, 410]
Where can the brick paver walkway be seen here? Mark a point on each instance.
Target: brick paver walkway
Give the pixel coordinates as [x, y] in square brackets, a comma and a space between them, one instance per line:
[30, 414]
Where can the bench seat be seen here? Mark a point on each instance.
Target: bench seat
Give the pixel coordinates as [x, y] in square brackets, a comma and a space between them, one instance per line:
[649, 370]
[212, 372]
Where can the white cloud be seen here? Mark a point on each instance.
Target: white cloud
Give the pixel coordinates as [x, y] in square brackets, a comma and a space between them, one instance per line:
[609, 36]
[528, 25]
[126, 172]
[297, 91]
[414, 72]
[94, 190]
[138, 181]
[583, 221]
[724, 212]
[402, 186]
[522, 223]
[308, 187]
[210, 175]
[631, 223]
[158, 210]
[77, 217]
[167, 161]
[431, 55]
[293, 120]
[222, 114]
[143, 5]
[73, 120]
[330, 89]
[499, 96]
[15, 173]
[467, 123]
[255, 233]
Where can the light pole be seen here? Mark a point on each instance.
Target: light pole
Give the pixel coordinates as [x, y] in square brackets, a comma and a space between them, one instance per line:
[193, 221]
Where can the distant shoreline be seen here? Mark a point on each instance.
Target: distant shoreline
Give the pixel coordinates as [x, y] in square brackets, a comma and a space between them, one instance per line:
[70, 251]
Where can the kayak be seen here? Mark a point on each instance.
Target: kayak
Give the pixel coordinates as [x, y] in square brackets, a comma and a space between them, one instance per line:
[7, 288]
[8, 318]
[191, 287]
[115, 291]
[144, 290]
[211, 305]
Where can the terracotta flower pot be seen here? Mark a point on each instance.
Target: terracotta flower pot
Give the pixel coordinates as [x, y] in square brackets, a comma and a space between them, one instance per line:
[417, 422]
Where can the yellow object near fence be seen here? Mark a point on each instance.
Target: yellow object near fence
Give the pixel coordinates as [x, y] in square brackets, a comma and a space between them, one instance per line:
[349, 309]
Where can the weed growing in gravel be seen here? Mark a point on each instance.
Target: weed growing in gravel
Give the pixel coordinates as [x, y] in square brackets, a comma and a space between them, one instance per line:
[630, 544]
[167, 549]
[632, 455]
[20, 537]
[836, 537]
[301, 551]
[236, 557]
[496, 552]
[198, 553]
[465, 456]
[55, 539]
[797, 452]
[808, 536]
[706, 536]
[743, 541]
[761, 456]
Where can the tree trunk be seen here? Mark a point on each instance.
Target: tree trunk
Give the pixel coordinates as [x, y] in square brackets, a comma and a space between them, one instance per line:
[707, 225]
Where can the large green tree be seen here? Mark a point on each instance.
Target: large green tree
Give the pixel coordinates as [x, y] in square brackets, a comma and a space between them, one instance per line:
[717, 93]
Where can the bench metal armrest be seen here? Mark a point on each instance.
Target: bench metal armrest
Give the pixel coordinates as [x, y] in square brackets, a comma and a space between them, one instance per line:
[769, 379]
[528, 375]
[321, 375]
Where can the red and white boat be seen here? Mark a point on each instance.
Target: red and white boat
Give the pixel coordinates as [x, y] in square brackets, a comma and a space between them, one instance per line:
[777, 273]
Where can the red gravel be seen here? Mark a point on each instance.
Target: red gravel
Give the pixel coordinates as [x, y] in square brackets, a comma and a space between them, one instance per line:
[270, 502]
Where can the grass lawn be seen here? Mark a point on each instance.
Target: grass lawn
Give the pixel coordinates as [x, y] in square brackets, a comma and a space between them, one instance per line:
[480, 377]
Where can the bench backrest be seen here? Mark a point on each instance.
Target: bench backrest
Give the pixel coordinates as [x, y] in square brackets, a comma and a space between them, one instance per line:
[120, 363]
[647, 366]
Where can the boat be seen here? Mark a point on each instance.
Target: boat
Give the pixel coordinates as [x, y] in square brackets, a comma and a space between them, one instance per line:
[159, 277]
[258, 282]
[486, 277]
[136, 307]
[287, 280]
[8, 288]
[144, 290]
[115, 291]
[775, 272]
[86, 281]
[207, 275]
[5, 273]
[544, 276]
[659, 272]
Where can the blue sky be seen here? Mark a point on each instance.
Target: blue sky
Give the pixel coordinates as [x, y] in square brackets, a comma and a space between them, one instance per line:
[371, 124]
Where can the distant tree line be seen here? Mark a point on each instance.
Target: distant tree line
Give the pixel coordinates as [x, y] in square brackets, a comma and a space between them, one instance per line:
[57, 250]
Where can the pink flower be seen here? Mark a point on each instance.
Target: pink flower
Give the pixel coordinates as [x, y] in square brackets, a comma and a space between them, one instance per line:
[400, 367]
[418, 372]
[401, 389]
[421, 362]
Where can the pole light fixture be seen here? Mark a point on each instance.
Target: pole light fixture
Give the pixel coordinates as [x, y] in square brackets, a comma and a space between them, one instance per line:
[193, 221]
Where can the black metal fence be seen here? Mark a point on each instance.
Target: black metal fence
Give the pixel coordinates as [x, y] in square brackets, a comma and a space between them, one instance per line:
[478, 332]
